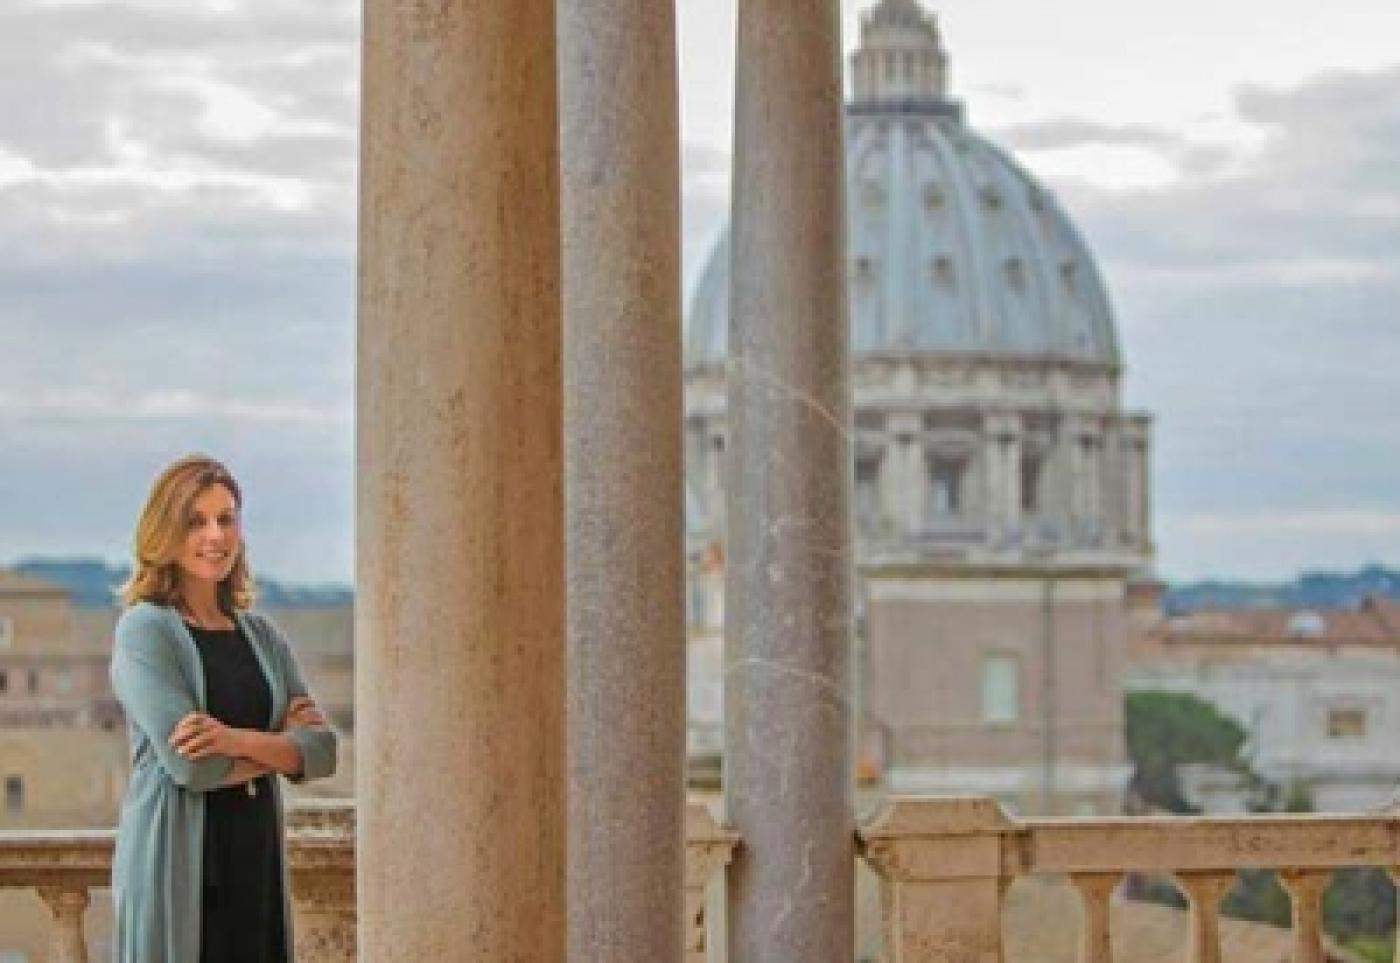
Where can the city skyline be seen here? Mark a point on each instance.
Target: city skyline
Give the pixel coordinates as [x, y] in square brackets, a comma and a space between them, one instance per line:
[177, 225]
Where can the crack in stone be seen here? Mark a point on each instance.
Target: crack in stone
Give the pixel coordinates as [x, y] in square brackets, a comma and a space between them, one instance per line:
[812, 678]
[743, 366]
[790, 902]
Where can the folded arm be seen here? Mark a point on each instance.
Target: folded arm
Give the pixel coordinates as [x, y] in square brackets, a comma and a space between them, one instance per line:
[200, 736]
[152, 691]
[244, 771]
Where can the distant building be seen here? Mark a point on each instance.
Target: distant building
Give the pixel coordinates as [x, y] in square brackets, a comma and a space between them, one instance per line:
[63, 748]
[1000, 490]
[62, 739]
[1317, 692]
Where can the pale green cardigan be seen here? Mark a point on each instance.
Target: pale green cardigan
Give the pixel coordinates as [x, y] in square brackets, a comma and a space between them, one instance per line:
[157, 872]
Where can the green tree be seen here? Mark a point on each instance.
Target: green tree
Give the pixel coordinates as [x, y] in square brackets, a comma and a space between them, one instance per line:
[1166, 729]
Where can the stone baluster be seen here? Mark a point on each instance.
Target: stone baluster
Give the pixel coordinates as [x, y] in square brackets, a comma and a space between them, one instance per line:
[943, 882]
[323, 906]
[1205, 889]
[321, 867]
[709, 848]
[1305, 888]
[67, 904]
[1096, 892]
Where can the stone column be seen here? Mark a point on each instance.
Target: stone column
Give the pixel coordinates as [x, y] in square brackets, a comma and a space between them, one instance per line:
[1136, 471]
[620, 147]
[460, 608]
[992, 478]
[788, 778]
[1002, 455]
[910, 473]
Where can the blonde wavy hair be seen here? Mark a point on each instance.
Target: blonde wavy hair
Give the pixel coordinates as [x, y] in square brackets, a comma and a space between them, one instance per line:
[160, 536]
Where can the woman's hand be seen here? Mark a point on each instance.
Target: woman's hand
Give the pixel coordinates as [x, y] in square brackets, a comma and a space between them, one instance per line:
[199, 736]
[303, 713]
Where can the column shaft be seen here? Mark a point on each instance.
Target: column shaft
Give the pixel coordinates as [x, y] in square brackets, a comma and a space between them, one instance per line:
[788, 610]
[460, 608]
[623, 453]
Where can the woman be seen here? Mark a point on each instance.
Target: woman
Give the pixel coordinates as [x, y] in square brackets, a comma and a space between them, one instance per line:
[216, 709]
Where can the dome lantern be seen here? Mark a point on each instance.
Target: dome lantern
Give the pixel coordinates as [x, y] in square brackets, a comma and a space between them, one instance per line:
[901, 56]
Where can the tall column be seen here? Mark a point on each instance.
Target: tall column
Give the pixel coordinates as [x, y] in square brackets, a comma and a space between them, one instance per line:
[1002, 455]
[1137, 470]
[622, 375]
[460, 608]
[909, 473]
[788, 780]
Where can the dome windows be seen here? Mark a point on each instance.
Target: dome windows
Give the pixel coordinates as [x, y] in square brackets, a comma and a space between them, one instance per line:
[943, 273]
[1069, 276]
[1015, 270]
[872, 195]
[952, 247]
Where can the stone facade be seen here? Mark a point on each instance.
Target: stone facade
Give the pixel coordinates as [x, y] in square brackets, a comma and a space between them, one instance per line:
[1000, 681]
[1317, 692]
[62, 744]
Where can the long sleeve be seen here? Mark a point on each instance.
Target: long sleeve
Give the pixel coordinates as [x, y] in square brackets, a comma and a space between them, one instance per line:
[317, 744]
[155, 695]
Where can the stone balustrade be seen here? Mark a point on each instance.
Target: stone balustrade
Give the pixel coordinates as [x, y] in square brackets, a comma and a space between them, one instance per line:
[65, 866]
[945, 867]
[62, 867]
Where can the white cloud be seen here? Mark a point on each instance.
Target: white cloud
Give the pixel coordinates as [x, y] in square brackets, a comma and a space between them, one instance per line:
[177, 219]
[94, 407]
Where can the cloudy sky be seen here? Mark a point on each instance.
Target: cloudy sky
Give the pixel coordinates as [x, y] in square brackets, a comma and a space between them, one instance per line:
[177, 241]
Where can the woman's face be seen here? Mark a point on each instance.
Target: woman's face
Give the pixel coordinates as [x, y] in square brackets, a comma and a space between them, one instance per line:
[212, 537]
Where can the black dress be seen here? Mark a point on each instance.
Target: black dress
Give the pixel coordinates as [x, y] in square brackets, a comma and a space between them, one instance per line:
[242, 918]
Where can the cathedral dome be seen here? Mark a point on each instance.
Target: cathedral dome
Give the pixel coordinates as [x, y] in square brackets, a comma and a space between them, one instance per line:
[952, 247]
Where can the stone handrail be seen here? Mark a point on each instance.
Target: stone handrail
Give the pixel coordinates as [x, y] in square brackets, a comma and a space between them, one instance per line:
[65, 866]
[945, 866]
[62, 867]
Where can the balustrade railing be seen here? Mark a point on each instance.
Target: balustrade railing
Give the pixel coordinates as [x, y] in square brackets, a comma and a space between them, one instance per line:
[945, 867]
[64, 867]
